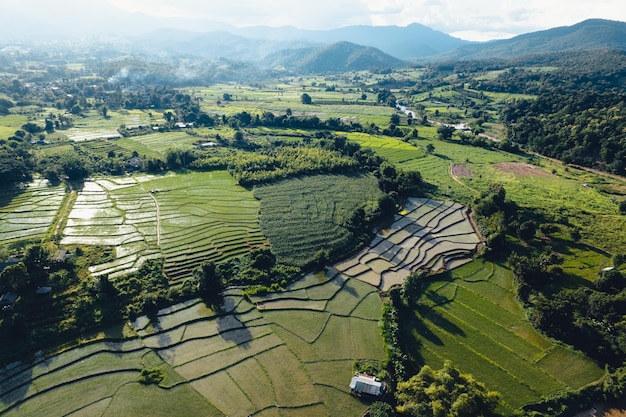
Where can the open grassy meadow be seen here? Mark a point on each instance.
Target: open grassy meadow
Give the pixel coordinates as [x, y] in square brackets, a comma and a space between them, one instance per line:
[470, 316]
[260, 356]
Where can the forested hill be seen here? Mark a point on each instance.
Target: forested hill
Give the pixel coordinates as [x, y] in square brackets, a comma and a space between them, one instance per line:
[587, 129]
[338, 57]
[598, 71]
[588, 35]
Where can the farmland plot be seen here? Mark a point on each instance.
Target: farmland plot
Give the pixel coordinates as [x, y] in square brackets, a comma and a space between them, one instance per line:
[183, 218]
[429, 235]
[245, 360]
[317, 207]
[470, 316]
[28, 213]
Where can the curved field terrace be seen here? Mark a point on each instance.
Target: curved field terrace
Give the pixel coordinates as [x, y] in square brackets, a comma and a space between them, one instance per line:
[281, 360]
[185, 219]
[28, 213]
[428, 234]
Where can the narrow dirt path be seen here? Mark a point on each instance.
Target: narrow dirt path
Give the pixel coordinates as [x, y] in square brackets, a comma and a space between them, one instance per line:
[455, 178]
[158, 219]
[62, 215]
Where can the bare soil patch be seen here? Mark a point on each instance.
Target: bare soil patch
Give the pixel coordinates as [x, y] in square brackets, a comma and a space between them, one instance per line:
[461, 171]
[519, 168]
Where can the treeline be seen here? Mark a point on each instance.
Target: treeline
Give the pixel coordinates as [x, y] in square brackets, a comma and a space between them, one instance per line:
[250, 168]
[585, 128]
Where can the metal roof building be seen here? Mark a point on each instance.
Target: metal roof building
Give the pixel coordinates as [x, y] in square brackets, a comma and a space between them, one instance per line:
[366, 384]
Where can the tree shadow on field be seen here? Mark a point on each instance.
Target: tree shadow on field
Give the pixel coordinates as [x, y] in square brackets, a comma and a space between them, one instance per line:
[15, 382]
[163, 338]
[440, 321]
[229, 327]
[347, 288]
[419, 329]
[436, 298]
[443, 323]
[232, 330]
[113, 339]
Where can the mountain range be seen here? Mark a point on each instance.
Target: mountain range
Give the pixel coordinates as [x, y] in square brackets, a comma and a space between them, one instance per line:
[588, 35]
[365, 47]
[360, 47]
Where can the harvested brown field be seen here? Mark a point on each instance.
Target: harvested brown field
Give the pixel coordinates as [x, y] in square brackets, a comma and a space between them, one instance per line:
[519, 168]
[461, 171]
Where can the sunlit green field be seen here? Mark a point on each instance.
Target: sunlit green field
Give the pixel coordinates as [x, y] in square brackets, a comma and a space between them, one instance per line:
[186, 219]
[28, 213]
[254, 357]
[303, 215]
[471, 316]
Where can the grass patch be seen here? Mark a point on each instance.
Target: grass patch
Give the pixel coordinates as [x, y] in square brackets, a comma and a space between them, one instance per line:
[484, 333]
[250, 377]
[292, 387]
[135, 399]
[307, 325]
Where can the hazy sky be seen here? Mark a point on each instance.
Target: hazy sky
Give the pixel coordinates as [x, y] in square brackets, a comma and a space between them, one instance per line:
[473, 20]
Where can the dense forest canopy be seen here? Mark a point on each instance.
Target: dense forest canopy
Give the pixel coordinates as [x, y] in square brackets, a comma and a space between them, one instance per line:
[587, 128]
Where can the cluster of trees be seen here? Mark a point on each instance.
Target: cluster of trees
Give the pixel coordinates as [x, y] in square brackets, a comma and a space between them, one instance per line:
[491, 212]
[446, 392]
[257, 270]
[585, 128]
[274, 164]
[590, 319]
[35, 317]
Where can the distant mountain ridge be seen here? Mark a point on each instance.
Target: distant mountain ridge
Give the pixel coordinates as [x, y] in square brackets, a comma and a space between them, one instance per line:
[337, 57]
[591, 34]
[404, 42]
[255, 43]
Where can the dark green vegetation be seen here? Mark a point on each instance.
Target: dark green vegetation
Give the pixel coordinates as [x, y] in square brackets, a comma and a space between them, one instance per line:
[589, 35]
[197, 190]
[338, 57]
[445, 392]
[572, 128]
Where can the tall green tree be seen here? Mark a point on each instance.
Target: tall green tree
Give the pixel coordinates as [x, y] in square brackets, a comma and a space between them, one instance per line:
[306, 99]
[445, 393]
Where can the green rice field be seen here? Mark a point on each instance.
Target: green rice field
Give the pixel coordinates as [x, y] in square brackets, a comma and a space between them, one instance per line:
[303, 215]
[27, 213]
[257, 357]
[185, 219]
[470, 316]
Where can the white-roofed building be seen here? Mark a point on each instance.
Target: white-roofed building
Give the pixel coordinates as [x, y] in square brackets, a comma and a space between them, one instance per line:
[366, 384]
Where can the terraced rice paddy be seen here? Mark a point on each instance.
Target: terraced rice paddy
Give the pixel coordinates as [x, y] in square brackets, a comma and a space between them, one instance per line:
[28, 213]
[259, 357]
[471, 317]
[430, 235]
[185, 219]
